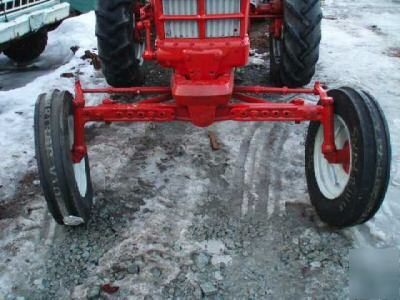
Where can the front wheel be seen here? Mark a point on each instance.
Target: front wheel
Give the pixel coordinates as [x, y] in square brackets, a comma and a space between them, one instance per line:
[66, 185]
[351, 193]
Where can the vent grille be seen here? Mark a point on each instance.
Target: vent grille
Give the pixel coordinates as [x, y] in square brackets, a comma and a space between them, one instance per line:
[222, 6]
[223, 28]
[181, 29]
[9, 6]
[180, 7]
[214, 28]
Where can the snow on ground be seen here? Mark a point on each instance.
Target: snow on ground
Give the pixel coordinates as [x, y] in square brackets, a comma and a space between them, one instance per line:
[172, 175]
[257, 58]
[17, 105]
[16, 136]
[358, 49]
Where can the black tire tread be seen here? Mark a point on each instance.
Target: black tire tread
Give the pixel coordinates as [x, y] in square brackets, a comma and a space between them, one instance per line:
[373, 167]
[54, 158]
[57, 134]
[382, 176]
[114, 31]
[43, 158]
[300, 44]
[27, 48]
[53, 189]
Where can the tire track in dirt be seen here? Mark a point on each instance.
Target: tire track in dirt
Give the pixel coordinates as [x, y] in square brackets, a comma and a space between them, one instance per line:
[239, 173]
[273, 170]
[267, 238]
[256, 180]
[48, 228]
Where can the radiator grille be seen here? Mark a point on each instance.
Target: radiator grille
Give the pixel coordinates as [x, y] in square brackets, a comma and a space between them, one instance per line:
[9, 6]
[181, 29]
[213, 28]
[223, 28]
[180, 7]
[222, 6]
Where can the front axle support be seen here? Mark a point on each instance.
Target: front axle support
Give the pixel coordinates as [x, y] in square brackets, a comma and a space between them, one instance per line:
[242, 108]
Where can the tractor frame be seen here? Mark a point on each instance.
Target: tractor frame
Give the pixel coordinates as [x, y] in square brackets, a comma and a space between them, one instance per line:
[202, 86]
[347, 146]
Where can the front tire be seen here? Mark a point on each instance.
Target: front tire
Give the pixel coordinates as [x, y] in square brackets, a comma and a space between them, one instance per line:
[295, 54]
[27, 48]
[119, 54]
[350, 195]
[67, 186]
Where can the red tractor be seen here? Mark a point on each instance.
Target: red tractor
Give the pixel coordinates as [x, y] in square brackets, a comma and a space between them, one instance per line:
[347, 146]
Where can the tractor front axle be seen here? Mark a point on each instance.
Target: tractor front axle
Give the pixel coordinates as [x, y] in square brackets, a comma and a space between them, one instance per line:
[242, 108]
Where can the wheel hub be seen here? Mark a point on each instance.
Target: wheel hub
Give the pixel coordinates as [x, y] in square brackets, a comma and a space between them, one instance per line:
[80, 167]
[332, 178]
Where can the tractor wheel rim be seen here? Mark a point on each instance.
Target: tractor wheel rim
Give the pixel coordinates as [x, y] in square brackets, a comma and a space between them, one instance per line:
[79, 168]
[332, 179]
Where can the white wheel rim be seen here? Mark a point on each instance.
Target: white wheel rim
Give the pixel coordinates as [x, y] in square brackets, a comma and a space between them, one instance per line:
[332, 179]
[79, 168]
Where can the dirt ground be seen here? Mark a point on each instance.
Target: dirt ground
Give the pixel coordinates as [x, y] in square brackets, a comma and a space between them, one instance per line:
[174, 219]
[187, 200]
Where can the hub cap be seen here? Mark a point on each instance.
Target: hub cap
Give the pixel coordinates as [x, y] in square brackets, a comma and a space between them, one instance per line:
[332, 179]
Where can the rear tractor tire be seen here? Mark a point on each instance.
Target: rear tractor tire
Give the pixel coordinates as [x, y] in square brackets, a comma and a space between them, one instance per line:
[350, 194]
[295, 54]
[66, 185]
[27, 48]
[119, 53]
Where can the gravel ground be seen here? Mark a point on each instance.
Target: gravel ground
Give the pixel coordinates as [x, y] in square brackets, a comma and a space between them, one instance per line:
[174, 219]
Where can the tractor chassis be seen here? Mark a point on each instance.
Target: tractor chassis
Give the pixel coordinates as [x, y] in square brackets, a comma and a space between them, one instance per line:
[242, 108]
[347, 147]
[197, 94]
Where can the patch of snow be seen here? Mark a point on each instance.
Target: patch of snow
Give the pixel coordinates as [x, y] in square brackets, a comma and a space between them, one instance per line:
[216, 248]
[17, 106]
[354, 54]
[17, 144]
[257, 58]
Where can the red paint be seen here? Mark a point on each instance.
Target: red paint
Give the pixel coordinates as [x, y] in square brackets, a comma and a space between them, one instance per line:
[272, 11]
[273, 7]
[202, 85]
[205, 110]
